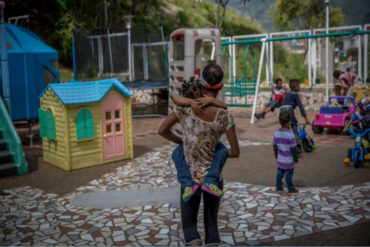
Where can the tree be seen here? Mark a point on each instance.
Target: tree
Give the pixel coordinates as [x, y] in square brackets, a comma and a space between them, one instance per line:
[221, 4]
[297, 14]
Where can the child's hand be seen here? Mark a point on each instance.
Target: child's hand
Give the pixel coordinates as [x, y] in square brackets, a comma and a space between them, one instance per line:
[307, 121]
[204, 101]
[197, 109]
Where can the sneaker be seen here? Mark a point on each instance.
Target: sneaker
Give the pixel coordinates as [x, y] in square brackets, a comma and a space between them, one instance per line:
[189, 192]
[279, 189]
[257, 115]
[212, 189]
[262, 115]
[294, 190]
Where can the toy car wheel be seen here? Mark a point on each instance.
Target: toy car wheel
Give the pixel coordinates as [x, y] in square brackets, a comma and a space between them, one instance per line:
[317, 129]
[356, 160]
[306, 146]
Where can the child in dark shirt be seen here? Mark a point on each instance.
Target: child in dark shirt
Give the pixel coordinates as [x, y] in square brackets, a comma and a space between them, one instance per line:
[291, 101]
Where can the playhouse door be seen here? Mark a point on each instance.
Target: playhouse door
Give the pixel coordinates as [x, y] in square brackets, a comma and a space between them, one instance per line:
[113, 127]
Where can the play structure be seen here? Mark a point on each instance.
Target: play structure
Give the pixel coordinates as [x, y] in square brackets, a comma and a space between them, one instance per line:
[12, 158]
[239, 87]
[188, 55]
[85, 123]
[333, 33]
[32, 65]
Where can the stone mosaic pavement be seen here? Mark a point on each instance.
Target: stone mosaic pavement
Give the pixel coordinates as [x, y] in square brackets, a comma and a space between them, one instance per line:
[249, 214]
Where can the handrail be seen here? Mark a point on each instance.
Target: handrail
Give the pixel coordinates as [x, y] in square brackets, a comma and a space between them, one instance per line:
[14, 143]
[321, 35]
[357, 134]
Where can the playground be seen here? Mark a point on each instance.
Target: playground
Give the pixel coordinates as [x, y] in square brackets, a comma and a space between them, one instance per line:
[330, 207]
[82, 162]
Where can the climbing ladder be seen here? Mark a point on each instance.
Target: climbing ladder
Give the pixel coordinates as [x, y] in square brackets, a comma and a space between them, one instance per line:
[12, 158]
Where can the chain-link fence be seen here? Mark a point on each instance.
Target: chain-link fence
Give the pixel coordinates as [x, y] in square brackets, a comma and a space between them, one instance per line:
[101, 56]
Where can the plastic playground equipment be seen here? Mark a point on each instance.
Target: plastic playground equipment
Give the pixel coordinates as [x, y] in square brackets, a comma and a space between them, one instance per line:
[85, 123]
[190, 51]
[357, 153]
[32, 66]
[306, 141]
[335, 114]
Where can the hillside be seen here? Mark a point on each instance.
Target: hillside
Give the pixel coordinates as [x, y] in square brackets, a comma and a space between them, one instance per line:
[355, 11]
[175, 14]
[53, 20]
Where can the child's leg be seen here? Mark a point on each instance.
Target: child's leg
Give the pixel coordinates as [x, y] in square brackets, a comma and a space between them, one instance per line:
[293, 123]
[183, 172]
[218, 163]
[289, 178]
[279, 178]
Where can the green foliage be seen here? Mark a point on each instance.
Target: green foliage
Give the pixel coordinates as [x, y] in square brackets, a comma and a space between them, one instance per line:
[182, 18]
[296, 14]
[65, 75]
[90, 72]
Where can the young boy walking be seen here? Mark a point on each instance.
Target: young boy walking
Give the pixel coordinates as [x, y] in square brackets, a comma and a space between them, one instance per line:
[291, 101]
[285, 152]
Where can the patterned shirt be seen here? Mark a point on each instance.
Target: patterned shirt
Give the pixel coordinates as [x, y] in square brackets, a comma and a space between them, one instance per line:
[284, 139]
[279, 90]
[200, 139]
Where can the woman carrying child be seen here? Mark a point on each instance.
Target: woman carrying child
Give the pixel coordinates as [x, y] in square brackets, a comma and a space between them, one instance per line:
[201, 156]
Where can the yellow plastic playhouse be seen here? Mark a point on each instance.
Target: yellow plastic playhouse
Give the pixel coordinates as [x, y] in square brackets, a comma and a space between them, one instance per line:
[85, 124]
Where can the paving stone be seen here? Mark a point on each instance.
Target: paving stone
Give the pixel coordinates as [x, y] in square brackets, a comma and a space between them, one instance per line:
[247, 212]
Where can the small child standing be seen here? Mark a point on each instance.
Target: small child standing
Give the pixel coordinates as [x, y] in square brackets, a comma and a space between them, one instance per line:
[285, 144]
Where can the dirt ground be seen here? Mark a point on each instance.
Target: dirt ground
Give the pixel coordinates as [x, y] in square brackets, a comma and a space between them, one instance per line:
[256, 165]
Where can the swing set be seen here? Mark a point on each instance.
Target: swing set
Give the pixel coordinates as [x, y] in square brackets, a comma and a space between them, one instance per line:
[236, 88]
[244, 87]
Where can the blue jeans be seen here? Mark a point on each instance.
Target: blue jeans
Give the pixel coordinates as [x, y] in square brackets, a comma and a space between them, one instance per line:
[213, 175]
[288, 177]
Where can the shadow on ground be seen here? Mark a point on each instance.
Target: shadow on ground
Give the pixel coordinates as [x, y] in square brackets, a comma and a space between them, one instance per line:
[55, 180]
[322, 167]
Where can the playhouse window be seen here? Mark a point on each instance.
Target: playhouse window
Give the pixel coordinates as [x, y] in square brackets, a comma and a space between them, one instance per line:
[116, 114]
[84, 124]
[118, 127]
[178, 49]
[107, 115]
[47, 124]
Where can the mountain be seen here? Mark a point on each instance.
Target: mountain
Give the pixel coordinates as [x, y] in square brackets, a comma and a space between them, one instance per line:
[355, 11]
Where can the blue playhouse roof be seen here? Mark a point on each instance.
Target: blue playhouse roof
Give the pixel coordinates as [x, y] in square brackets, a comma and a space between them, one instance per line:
[76, 92]
[25, 41]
